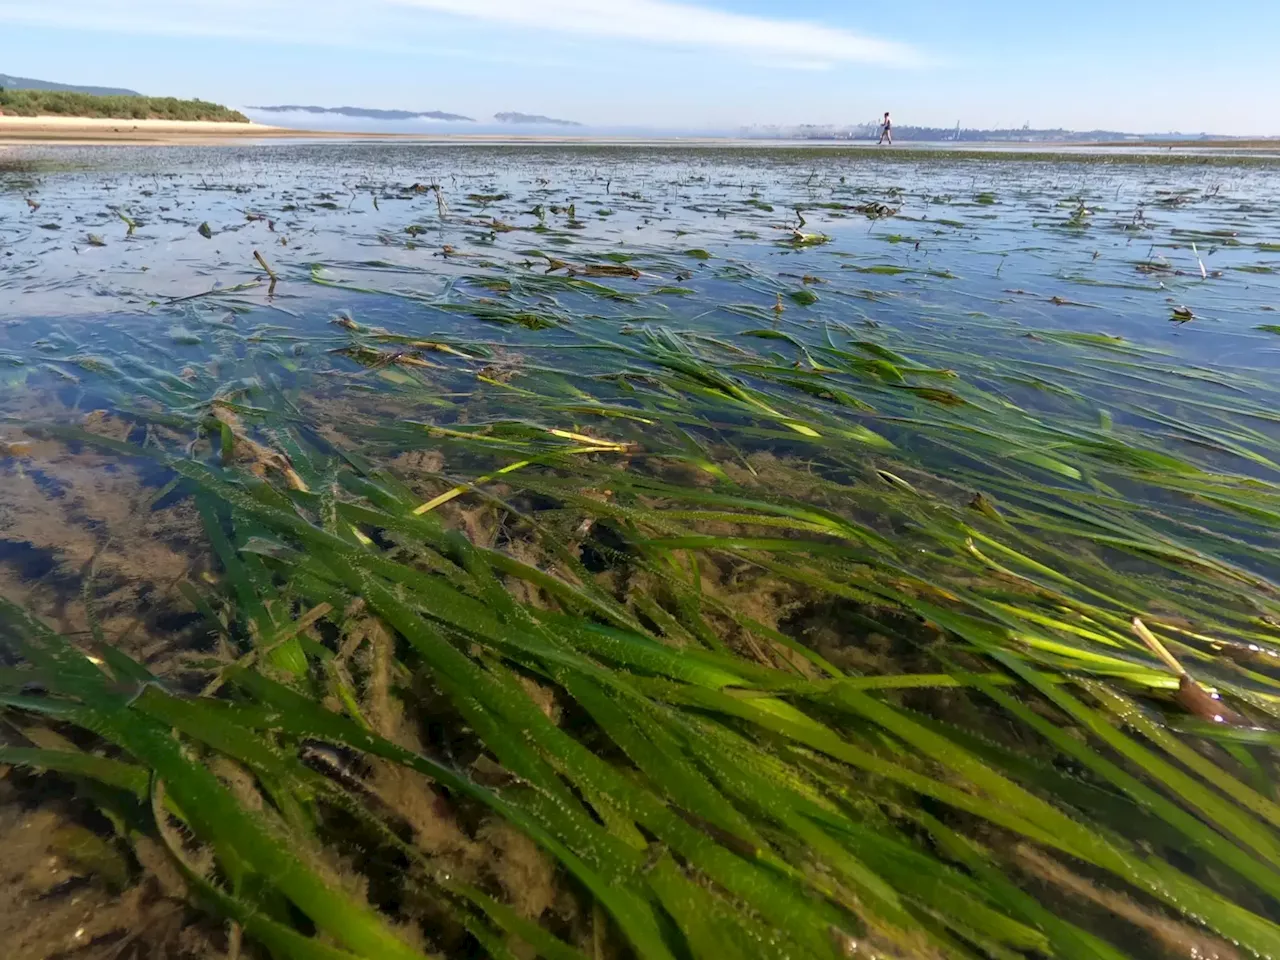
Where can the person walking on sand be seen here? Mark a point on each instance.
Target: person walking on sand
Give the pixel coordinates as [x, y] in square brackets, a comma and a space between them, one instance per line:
[886, 130]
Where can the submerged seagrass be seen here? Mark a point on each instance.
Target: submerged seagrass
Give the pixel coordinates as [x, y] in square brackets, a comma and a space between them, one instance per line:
[590, 553]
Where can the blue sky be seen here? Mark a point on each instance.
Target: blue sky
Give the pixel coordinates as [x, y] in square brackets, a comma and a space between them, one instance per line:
[1137, 65]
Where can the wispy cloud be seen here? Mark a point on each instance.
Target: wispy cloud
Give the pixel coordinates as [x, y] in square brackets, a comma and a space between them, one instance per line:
[662, 23]
[809, 66]
[667, 23]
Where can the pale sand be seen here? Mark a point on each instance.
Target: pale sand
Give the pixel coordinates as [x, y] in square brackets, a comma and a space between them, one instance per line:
[87, 131]
[105, 130]
[83, 131]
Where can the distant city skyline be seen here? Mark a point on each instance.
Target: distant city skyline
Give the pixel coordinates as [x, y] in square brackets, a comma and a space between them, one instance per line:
[1140, 66]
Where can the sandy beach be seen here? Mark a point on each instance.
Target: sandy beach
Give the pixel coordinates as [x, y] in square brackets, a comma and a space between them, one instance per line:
[84, 131]
[92, 130]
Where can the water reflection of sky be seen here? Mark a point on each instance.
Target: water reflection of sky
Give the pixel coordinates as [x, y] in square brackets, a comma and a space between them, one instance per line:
[993, 275]
[1090, 246]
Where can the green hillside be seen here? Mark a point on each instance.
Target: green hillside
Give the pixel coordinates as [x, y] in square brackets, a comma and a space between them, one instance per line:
[29, 83]
[57, 103]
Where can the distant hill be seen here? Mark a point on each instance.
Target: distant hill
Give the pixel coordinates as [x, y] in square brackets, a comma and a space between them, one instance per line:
[368, 113]
[533, 118]
[26, 83]
[393, 116]
[64, 103]
[1024, 134]
[903, 132]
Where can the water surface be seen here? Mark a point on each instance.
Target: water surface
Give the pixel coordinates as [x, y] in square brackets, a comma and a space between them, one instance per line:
[867, 438]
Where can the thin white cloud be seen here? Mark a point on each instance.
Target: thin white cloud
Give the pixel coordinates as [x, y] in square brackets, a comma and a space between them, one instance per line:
[667, 23]
[662, 23]
[809, 66]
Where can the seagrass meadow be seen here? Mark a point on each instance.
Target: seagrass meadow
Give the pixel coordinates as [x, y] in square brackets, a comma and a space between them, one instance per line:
[668, 553]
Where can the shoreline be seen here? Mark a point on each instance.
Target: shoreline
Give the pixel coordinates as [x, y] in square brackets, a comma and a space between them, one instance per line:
[84, 131]
[102, 131]
[1245, 144]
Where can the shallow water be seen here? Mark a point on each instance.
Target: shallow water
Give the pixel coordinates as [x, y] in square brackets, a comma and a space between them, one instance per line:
[997, 225]
[1057, 288]
[978, 259]
[890, 339]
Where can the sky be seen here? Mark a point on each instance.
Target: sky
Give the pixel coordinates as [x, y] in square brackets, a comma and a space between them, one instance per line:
[1130, 65]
